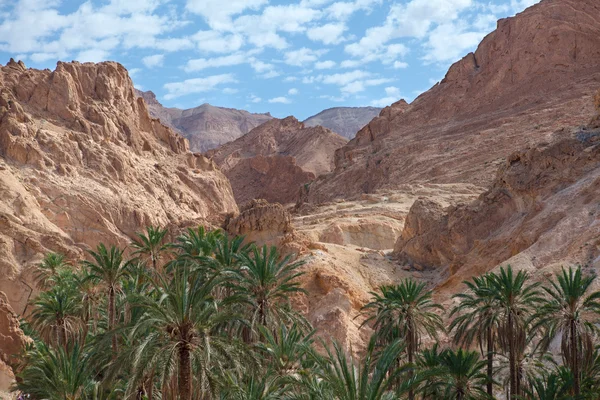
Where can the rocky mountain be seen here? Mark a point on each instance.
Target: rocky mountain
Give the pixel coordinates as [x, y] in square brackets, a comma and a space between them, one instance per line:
[344, 121]
[205, 126]
[540, 213]
[82, 162]
[273, 160]
[511, 93]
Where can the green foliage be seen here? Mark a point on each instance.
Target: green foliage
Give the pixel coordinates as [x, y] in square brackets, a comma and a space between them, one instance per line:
[210, 317]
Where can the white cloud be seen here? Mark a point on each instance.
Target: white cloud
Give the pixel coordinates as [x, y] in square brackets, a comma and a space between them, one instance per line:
[342, 10]
[449, 42]
[412, 19]
[302, 56]
[325, 64]
[92, 55]
[204, 63]
[290, 79]
[230, 91]
[281, 100]
[196, 85]
[392, 95]
[255, 99]
[400, 65]
[156, 60]
[343, 79]
[293, 91]
[328, 33]
[218, 14]
[218, 42]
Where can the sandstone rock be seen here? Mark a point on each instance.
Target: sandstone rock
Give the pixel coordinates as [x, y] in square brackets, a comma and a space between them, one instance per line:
[276, 159]
[12, 340]
[206, 127]
[540, 211]
[85, 163]
[533, 75]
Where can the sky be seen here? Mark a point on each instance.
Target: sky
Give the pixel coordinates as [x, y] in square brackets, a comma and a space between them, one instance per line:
[285, 57]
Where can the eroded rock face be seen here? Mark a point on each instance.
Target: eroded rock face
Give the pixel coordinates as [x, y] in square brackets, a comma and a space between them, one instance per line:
[541, 210]
[533, 75]
[82, 162]
[12, 342]
[206, 127]
[273, 161]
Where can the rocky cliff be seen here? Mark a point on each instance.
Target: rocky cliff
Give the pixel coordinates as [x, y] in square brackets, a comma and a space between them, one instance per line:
[541, 212]
[82, 162]
[533, 75]
[275, 159]
[206, 127]
[344, 121]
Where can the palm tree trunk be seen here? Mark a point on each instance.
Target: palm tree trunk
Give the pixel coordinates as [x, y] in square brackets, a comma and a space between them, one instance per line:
[185, 382]
[511, 358]
[111, 318]
[574, 358]
[410, 350]
[490, 361]
[62, 333]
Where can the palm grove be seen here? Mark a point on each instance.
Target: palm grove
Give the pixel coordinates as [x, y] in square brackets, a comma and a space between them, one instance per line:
[209, 317]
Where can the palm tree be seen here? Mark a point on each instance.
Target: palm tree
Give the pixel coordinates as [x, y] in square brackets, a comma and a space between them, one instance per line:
[516, 301]
[61, 373]
[182, 335]
[554, 386]
[477, 320]
[47, 271]
[151, 244]
[57, 314]
[571, 313]
[285, 351]
[461, 375]
[372, 379]
[267, 281]
[108, 268]
[406, 312]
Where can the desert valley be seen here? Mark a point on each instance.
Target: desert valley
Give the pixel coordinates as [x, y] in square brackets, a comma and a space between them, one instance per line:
[497, 164]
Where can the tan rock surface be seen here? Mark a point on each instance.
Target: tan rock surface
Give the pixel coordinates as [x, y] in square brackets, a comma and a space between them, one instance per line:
[273, 161]
[542, 211]
[82, 162]
[533, 75]
[206, 127]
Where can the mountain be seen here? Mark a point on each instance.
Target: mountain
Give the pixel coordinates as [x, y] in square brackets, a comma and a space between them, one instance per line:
[344, 121]
[534, 74]
[273, 160]
[82, 162]
[205, 126]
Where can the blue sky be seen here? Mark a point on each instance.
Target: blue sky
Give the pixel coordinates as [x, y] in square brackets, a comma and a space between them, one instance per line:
[287, 57]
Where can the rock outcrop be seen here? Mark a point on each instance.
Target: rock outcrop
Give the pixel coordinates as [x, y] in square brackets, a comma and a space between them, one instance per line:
[345, 121]
[530, 77]
[541, 211]
[12, 342]
[274, 160]
[206, 127]
[82, 162]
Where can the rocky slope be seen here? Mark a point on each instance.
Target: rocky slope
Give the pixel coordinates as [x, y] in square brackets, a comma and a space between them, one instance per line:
[206, 127]
[533, 75]
[82, 162]
[344, 121]
[541, 212]
[275, 159]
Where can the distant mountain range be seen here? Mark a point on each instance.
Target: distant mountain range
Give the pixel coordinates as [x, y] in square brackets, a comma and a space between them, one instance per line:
[344, 121]
[207, 127]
